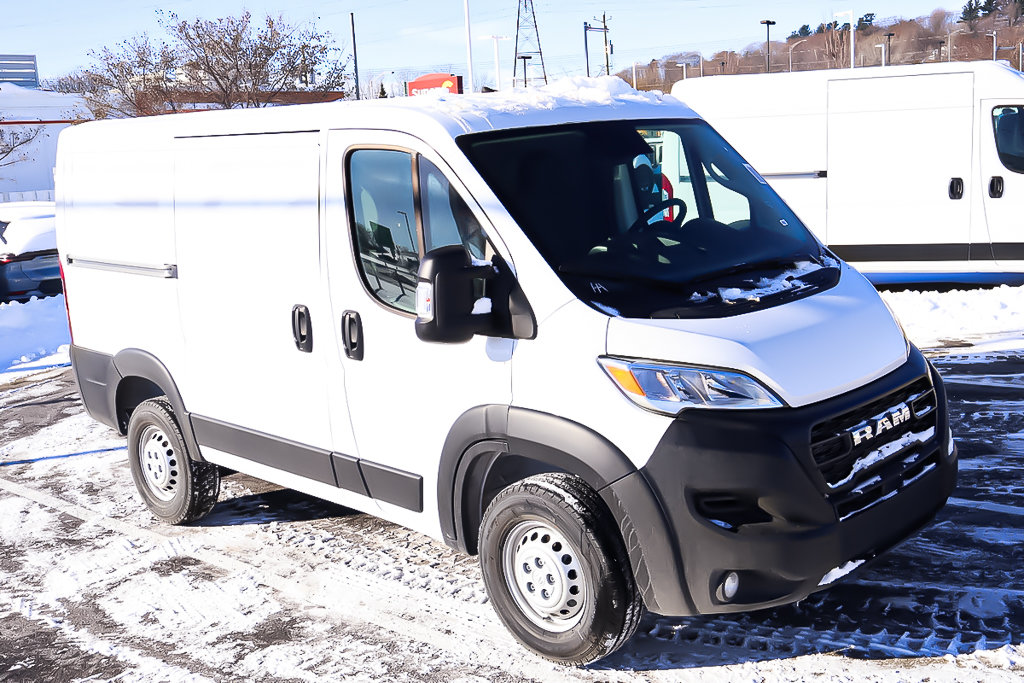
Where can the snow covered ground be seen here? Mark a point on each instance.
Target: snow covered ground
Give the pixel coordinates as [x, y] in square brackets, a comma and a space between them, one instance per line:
[274, 585]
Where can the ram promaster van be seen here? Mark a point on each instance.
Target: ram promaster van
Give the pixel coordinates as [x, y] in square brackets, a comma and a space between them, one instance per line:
[483, 318]
[911, 173]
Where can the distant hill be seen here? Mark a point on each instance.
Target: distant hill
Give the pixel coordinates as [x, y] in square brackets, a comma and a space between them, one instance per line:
[941, 36]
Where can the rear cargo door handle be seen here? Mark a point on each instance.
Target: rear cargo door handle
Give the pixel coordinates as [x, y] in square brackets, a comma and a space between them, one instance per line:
[995, 187]
[302, 328]
[352, 334]
[956, 188]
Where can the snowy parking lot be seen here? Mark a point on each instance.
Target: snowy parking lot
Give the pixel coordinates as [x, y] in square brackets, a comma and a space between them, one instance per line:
[275, 585]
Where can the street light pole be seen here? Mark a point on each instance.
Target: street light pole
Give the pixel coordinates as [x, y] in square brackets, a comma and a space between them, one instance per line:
[526, 83]
[768, 23]
[993, 34]
[469, 46]
[497, 63]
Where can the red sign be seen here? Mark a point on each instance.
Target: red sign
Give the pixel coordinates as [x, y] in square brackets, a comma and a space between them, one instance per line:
[435, 83]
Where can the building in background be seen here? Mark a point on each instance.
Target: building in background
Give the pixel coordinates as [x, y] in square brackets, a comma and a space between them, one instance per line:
[19, 69]
[27, 173]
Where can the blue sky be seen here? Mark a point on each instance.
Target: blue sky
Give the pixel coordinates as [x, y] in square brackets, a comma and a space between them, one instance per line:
[400, 39]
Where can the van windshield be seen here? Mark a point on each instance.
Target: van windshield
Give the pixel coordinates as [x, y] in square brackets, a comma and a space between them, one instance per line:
[651, 219]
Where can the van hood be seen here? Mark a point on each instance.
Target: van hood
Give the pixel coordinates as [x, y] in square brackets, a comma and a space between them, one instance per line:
[805, 350]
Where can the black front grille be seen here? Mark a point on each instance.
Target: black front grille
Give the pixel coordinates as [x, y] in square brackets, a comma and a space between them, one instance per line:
[888, 456]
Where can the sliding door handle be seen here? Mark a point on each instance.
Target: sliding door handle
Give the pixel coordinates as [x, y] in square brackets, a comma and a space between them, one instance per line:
[956, 188]
[302, 328]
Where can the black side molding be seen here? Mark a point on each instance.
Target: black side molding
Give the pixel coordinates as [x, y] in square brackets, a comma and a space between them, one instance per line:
[393, 486]
[305, 461]
[364, 477]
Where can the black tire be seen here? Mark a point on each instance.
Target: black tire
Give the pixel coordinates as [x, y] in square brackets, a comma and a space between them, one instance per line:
[174, 487]
[592, 605]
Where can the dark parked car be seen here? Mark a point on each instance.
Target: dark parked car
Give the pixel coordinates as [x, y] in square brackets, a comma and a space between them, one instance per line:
[29, 265]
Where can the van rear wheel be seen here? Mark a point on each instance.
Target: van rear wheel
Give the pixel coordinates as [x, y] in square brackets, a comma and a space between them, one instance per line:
[556, 569]
[174, 487]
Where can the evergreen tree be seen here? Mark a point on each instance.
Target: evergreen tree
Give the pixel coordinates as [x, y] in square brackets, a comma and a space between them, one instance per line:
[971, 12]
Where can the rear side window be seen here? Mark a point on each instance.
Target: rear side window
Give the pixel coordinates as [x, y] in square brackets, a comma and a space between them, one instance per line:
[1008, 126]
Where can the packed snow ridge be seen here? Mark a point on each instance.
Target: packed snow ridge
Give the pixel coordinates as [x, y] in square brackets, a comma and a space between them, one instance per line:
[579, 91]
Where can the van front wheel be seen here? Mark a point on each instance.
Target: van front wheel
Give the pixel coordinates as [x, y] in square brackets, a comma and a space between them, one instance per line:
[556, 570]
[174, 487]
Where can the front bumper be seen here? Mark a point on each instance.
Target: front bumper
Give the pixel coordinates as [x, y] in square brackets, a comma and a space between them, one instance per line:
[745, 492]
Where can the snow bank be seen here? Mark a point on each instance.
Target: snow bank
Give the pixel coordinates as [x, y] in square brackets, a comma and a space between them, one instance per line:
[988, 318]
[32, 330]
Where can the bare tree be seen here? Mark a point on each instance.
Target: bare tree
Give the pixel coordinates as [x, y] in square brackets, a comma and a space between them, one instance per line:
[836, 45]
[14, 141]
[239, 64]
[137, 78]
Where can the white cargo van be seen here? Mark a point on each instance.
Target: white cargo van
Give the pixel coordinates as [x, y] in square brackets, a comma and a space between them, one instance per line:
[911, 173]
[479, 317]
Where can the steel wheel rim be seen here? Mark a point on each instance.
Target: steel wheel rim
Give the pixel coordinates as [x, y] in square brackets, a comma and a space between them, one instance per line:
[159, 463]
[544, 576]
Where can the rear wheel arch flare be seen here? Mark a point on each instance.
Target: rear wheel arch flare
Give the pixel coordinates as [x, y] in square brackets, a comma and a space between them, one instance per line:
[141, 372]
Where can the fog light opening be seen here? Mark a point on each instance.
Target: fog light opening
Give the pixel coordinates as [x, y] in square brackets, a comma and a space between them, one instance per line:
[729, 587]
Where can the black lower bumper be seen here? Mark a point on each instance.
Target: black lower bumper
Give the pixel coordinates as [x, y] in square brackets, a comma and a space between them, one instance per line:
[745, 493]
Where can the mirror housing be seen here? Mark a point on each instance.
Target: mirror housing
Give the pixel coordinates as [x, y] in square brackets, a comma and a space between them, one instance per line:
[452, 296]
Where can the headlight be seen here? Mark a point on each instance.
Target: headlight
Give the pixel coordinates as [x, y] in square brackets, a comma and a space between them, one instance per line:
[670, 389]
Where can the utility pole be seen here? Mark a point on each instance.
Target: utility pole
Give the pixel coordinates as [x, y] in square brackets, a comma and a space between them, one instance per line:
[587, 27]
[607, 46]
[355, 58]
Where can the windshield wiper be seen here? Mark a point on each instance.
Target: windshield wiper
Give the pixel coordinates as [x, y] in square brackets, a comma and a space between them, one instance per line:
[764, 264]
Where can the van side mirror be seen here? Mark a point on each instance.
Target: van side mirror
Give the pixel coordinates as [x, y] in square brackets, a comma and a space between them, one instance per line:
[456, 299]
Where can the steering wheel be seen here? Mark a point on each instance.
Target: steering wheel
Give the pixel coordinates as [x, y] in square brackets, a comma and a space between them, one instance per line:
[640, 224]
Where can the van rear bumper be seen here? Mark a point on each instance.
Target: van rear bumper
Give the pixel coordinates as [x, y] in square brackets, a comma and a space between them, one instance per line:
[743, 493]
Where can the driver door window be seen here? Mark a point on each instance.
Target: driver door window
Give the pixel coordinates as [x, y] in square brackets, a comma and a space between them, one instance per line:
[383, 213]
[389, 218]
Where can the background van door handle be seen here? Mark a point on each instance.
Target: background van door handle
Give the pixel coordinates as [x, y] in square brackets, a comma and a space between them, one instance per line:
[302, 328]
[956, 188]
[352, 334]
[995, 187]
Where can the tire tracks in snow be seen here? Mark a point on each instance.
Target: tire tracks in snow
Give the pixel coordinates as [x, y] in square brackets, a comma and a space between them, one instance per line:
[469, 629]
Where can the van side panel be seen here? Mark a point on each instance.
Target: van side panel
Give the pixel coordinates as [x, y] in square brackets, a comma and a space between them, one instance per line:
[247, 219]
[894, 145]
[116, 240]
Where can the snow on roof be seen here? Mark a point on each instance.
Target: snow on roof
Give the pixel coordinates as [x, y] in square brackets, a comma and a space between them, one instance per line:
[578, 98]
[18, 103]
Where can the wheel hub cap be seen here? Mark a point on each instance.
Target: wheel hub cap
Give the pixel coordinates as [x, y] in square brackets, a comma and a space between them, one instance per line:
[159, 463]
[544, 576]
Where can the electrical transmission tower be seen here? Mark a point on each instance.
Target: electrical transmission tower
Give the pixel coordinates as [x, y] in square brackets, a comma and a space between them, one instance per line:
[527, 41]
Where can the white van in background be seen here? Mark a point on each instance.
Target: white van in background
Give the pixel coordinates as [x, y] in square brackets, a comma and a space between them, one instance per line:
[478, 317]
[911, 173]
